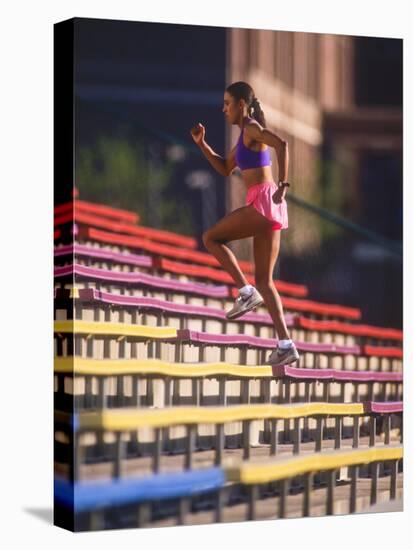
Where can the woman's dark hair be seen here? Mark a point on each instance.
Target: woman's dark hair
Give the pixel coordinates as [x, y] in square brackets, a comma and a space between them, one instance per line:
[242, 90]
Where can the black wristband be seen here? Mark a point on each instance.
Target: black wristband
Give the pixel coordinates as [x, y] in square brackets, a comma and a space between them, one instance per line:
[283, 184]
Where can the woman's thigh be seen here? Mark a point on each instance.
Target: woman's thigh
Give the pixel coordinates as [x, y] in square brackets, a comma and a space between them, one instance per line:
[239, 224]
[266, 248]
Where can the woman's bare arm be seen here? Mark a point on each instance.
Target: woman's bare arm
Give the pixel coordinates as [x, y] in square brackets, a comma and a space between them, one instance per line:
[230, 160]
[216, 161]
[223, 166]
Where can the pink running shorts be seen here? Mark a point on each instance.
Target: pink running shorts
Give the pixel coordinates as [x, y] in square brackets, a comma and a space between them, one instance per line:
[260, 196]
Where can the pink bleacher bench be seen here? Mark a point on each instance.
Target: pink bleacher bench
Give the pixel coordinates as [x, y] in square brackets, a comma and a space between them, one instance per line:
[97, 297]
[121, 278]
[156, 263]
[185, 340]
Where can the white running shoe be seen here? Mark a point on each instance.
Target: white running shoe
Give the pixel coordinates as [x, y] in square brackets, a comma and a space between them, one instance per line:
[281, 356]
[243, 304]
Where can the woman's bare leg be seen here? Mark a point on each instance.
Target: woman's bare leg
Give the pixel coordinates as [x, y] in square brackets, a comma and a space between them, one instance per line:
[266, 249]
[239, 224]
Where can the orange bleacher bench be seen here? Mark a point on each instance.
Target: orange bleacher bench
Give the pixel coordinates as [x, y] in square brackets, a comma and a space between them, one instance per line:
[359, 330]
[99, 209]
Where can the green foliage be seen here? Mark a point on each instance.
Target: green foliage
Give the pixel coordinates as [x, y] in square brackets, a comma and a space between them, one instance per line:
[116, 172]
[330, 195]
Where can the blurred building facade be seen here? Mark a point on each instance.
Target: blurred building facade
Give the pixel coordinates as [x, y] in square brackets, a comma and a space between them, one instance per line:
[312, 89]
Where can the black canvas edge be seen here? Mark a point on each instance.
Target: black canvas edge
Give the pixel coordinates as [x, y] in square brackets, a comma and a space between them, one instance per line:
[63, 178]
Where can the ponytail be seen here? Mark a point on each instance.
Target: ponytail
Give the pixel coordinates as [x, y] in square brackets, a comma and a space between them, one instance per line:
[256, 112]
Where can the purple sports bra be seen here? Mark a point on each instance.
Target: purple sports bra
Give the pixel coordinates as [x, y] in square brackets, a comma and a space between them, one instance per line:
[247, 158]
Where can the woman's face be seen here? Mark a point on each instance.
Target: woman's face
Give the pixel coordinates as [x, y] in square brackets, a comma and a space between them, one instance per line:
[230, 109]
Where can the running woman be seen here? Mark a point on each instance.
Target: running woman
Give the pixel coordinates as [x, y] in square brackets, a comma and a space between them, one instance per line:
[263, 217]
